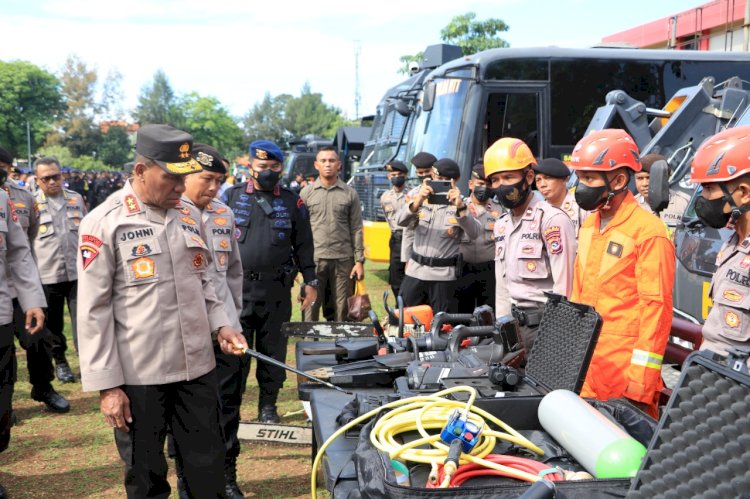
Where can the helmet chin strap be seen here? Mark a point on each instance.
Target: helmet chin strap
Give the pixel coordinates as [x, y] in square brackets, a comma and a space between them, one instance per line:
[611, 193]
[737, 211]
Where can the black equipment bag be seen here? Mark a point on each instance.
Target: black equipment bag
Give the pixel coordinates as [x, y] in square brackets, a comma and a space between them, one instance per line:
[376, 479]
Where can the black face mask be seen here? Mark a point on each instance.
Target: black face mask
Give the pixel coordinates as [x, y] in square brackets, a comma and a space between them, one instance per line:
[590, 198]
[512, 196]
[483, 193]
[711, 212]
[267, 179]
[398, 181]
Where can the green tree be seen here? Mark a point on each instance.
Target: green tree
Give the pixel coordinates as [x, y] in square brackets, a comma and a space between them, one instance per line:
[209, 122]
[115, 147]
[265, 121]
[27, 94]
[60, 152]
[308, 114]
[157, 103]
[471, 35]
[75, 128]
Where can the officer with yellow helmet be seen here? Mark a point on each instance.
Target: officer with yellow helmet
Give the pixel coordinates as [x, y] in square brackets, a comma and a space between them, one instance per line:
[535, 243]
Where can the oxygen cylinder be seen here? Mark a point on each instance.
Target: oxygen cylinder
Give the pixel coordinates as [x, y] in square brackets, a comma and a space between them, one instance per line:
[599, 445]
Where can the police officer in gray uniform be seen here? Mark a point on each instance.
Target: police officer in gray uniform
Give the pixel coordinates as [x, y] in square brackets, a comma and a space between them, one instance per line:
[392, 201]
[225, 272]
[15, 257]
[55, 249]
[551, 178]
[422, 162]
[38, 360]
[435, 260]
[476, 287]
[148, 315]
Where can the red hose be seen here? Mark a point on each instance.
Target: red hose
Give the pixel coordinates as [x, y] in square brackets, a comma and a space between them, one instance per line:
[473, 470]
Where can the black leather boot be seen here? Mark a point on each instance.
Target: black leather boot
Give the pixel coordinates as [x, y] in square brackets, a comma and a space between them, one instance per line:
[232, 490]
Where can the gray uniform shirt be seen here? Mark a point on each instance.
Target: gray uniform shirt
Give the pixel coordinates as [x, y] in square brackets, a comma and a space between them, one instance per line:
[728, 322]
[56, 240]
[533, 254]
[23, 206]
[392, 202]
[16, 261]
[576, 214]
[672, 214]
[225, 269]
[481, 249]
[437, 233]
[146, 305]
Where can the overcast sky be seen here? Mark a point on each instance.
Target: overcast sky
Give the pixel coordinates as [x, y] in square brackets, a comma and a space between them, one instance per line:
[238, 50]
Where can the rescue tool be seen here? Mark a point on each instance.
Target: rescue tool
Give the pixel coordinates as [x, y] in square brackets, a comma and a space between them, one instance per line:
[265, 358]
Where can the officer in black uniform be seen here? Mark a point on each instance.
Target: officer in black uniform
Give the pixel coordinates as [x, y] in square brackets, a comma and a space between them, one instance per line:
[275, 241]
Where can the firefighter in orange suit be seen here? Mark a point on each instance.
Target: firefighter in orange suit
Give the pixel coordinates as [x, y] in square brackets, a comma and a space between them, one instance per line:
[624, 269]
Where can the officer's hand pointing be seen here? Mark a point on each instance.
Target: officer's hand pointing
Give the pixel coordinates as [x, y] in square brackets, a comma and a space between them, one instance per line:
[231, 341]
[34, 320]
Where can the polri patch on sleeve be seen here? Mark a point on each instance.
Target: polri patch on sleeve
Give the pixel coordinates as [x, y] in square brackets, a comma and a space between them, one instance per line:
[614, 249]
[88, 254]
[554, 240]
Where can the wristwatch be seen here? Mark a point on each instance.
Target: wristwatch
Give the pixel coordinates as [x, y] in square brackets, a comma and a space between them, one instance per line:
[315, 283]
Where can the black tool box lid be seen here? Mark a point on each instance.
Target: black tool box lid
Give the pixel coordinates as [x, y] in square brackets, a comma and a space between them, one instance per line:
[565, 343]
[701, 447]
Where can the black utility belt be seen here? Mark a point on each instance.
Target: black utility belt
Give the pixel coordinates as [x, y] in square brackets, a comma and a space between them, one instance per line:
[432, 261]
[530, 317]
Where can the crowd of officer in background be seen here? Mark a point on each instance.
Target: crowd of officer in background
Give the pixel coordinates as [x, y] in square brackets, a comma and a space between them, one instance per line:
[171, 272]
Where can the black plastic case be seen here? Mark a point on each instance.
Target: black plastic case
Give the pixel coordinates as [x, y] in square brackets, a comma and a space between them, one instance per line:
[702, 444]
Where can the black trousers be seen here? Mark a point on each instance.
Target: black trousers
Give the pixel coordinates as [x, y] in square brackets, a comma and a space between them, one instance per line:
[7, 381]
[476, 287]
[232, 372]
[440, 295]
[38, 359]
[395, 266]
[261, 324]
[191, 410]
[57, 295]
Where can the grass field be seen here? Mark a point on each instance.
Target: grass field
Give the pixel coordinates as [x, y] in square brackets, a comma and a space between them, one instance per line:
[73, 455]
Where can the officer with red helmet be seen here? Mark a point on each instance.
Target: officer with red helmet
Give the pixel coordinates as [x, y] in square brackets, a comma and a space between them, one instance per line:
[624, 269]
[722, 167]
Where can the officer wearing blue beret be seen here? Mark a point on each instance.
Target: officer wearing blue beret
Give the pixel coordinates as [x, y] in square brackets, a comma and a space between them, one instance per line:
[275, 242]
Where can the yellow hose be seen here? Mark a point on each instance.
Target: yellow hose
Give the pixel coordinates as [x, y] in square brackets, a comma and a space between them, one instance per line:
[431, 412]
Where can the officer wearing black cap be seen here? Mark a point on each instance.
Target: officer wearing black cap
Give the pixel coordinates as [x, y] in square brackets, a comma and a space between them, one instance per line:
[438, 226]
[148, 317]
[551, 179]
[422, 162]
[476, 286]
[225, 272]
[392, 201]
[275, 241]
